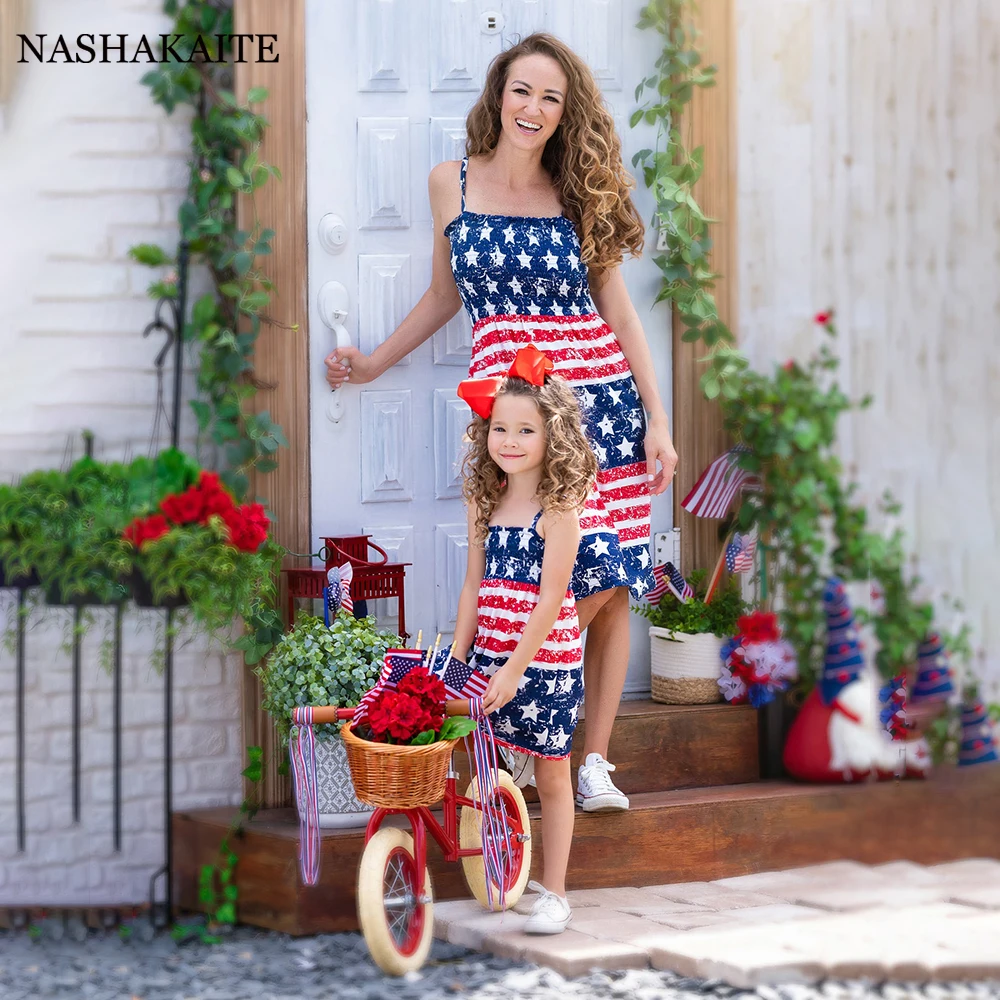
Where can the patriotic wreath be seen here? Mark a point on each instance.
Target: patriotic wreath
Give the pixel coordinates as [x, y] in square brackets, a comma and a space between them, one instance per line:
[756, 662]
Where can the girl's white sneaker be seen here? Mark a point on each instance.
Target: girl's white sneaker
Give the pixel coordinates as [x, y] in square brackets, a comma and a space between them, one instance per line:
[595, 791]
[521, 766]
[551, 914]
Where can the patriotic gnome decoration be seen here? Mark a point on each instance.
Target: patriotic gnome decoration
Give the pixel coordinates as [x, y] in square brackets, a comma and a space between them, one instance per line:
[979, 743]
[900, 727]
[337, 592]
[934, 681]
[838, 735]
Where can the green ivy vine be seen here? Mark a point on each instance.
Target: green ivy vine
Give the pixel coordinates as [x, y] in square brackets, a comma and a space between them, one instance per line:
[225, 162]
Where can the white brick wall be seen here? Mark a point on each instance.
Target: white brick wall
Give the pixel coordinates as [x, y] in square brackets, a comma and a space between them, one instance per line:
[869, 144]
[90, 166]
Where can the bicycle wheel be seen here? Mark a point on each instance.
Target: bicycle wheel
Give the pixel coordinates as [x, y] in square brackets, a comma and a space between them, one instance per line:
[396, 915]
[516, 862]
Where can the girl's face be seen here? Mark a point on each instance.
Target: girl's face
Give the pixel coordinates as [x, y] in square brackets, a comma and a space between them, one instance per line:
[533, 100]
[517, 435]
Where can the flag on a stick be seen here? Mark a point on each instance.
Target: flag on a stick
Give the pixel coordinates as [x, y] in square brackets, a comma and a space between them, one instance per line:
[740, 552]
[396, 664]
[668, 577]
[712, 495]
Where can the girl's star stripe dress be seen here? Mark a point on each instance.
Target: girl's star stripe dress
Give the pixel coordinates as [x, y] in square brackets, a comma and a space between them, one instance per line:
[542, 715]
[522, 281]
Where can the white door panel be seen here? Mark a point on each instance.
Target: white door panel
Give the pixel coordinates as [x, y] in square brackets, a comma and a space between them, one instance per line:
[389, 83]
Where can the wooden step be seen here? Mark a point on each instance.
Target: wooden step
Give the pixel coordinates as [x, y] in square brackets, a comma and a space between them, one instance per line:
[666, 837]
[657, 747]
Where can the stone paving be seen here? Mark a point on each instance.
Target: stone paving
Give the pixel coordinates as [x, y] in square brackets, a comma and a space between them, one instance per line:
[898, 922]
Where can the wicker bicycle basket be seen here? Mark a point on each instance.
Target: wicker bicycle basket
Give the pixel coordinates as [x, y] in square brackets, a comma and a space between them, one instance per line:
[397, 777]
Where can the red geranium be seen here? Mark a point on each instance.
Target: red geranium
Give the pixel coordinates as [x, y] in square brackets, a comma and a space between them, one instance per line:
[146, 529]
[398, 716]
[184, 508]
[216, 498]
[761, 626]
[247, 526]
[423, 685]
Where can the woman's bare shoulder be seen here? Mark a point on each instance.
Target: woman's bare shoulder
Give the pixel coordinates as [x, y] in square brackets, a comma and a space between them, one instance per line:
[445, 190]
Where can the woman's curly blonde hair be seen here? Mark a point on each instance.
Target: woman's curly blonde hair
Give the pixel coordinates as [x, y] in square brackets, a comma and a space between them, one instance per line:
[583, 157]
[569, 468]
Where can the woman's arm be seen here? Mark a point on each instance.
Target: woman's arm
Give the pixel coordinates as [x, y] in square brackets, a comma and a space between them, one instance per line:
[562, 539]
[615, 306]
[436, 306]
[468, 601]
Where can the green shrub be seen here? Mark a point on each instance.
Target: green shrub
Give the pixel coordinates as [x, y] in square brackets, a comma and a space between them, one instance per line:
[695, 616]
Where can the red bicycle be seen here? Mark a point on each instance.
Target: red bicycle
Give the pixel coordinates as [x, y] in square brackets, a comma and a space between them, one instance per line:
[394, 892]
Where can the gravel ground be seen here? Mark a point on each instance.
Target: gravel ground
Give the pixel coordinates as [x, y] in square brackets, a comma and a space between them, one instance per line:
[254, 965]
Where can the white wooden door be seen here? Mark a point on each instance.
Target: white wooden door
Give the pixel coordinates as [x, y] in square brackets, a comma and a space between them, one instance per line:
[389, 83]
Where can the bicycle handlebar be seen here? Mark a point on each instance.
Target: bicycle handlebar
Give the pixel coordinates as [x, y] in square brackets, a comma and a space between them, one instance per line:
[330, 713]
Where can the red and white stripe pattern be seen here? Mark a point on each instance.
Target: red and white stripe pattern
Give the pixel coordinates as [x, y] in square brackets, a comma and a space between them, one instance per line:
[302, 751]
[712, 495]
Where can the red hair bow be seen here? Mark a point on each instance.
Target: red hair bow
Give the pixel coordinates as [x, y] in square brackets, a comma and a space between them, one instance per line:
[529, 363]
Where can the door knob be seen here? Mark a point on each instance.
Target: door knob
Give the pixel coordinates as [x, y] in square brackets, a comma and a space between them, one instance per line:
[333, 301]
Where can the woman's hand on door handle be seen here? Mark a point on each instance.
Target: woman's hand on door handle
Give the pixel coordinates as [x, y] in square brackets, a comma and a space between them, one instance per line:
[348, 364]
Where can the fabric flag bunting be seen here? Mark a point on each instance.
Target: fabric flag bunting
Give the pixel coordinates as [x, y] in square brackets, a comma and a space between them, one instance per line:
[712, 495]
[740, 552]
[337, 592]
[668, 577]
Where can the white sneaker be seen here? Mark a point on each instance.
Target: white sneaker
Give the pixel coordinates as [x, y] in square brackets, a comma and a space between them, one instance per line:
[521, 766]
[550, 914]
[595, 791]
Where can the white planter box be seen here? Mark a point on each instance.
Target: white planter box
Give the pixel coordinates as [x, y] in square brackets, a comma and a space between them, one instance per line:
[684, 669]
[338, 805]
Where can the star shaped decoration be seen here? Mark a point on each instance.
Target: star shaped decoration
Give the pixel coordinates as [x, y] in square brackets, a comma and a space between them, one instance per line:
[602, 455]
[493, 567]
[454, 262]
[621, 573]
[530, 711]
[491, 310]
[471, 257]
[556, 236]
[534, 571]
[468, 285]
[491, 286]
[626, 448]
[502, 537]
[511, 308]
[560, 739]
[550, 686]
[539, 287]
[551, 260]
[523, 682]
[557, 310]
[566, 684]
[564, 288]
[574, 261]
[606, 425]
[524, 258]
[573, 713]
[644, 558]
[505, 726]
[543, 736]
[588, 398]
[636, 421]
[484, 233]
[534, 309]
[514, 285]
[533, 240]
[508, 234]
[575, 310]
[616, 396]
[497, 256]
[524, 539]
[600, 547]
[463, 232]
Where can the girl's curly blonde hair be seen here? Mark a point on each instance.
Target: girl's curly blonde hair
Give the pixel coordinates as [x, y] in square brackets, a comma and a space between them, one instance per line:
[569, 468]
[583, 157]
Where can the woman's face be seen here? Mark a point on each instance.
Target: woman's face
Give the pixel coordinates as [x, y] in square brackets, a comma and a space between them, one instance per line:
[534, 98]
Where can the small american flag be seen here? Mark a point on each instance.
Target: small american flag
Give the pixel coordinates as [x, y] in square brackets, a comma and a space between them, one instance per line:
[396, 665]
[668, 577]
[718, 484]
[740, 552]
[461, 680]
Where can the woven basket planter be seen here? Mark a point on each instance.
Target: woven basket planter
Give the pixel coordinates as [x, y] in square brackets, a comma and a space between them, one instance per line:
[685, 668]
[398, 777]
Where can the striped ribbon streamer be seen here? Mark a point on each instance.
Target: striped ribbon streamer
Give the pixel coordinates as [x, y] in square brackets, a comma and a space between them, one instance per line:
[495, 826]
[302, 749]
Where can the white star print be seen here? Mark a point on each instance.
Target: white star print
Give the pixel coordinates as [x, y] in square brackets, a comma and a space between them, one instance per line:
[491, 286]
[574, 261]
[560, 739]
[529, 711]
[621, 573]
[557, 310]
[463, 232]
[566, 684]
[514, 285]
[616, 396]
[454, 262]
[575, 310]
[510, 307]
[626, 448]
[600, 547]
[551, 260]
[534, 309]
[588, 398]
[524, 258]
[556, 237]
[635, 421]
[509, 571]
[493, 567]
[540, 287]
[502, 536]
[525, 538]
[469, 286]
[523, 682]
[491, 310]
[606, 426]
[508, 234]
[550, 684]
[505, 726]
[573, 713]
[533, 240]
[484, 233]
[534, 571]
[564, 288]
[497, 256]
[643, 558]
[543, 736]
[602, 455]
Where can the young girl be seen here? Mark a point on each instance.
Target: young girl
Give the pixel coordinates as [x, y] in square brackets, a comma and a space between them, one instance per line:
[528, 472]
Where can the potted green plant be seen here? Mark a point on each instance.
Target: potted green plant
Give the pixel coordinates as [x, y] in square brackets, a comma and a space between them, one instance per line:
[686, 641]
[313, 664]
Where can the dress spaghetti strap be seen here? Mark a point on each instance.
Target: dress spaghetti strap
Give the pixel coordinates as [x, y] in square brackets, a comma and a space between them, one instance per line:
[465, 166]
[534, 523]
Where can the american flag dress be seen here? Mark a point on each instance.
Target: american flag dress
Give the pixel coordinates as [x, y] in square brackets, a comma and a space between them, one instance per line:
[522, 281]
[542, 715]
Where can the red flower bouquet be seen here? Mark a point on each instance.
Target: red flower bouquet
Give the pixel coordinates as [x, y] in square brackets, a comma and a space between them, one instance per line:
[412, 713]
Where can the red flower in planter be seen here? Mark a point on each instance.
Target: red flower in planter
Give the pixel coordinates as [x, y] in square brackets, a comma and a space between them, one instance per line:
[423, 685]
[409, 717]
[760, 626]
[247, 526]
[216, 499]
[146, 529]
[184, 508]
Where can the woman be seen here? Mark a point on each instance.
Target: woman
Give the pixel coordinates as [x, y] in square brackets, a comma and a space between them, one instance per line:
[529, 234]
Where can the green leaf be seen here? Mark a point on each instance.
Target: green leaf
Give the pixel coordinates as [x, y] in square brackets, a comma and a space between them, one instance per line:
[427, 736]
[456, 726]
[149, 254]
[235, 177]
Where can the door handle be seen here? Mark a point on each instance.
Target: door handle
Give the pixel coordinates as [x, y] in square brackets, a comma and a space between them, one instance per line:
[333, 301]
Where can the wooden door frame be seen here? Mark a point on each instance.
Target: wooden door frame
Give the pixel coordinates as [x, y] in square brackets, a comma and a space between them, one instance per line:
[282, 356]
